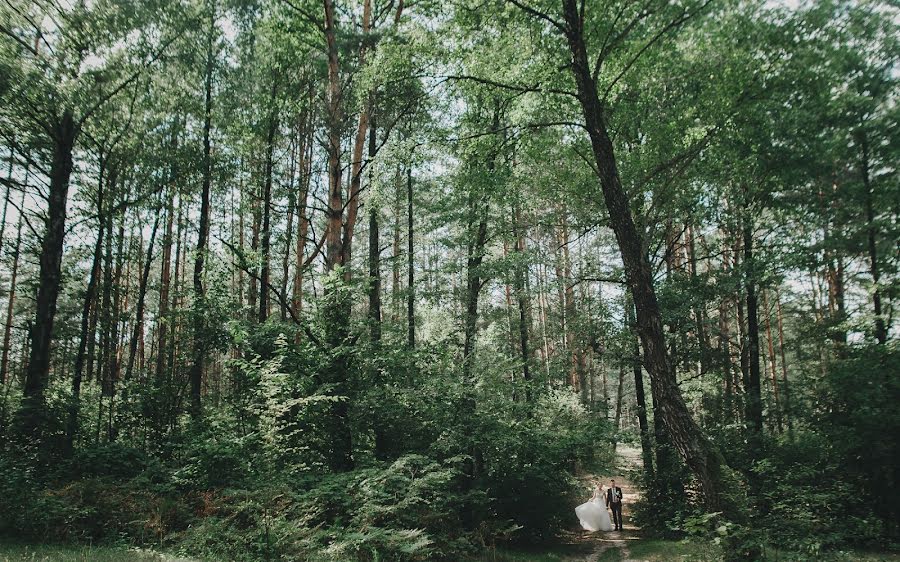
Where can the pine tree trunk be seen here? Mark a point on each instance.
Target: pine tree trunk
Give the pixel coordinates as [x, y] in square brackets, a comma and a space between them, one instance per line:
[32, 411]
[90, 296]
[374, 251]
[410, 258]
[871, 236]
[753, 387]
[199, 351]
[698, 452]
[139, 308]
[266, 234]
[11, 299]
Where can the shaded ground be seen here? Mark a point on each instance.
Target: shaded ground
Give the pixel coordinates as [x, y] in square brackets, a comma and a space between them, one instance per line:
[614, 545]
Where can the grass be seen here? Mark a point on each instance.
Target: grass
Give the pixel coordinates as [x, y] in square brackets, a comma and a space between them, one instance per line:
[14, 552]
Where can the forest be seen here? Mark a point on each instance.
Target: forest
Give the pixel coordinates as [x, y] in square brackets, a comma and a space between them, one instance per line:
[387, 280]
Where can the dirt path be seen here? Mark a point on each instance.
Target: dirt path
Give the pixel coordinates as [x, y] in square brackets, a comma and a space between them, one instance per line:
[629, 459]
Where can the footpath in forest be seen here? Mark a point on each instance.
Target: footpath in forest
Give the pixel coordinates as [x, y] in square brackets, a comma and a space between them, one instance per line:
[628, 459]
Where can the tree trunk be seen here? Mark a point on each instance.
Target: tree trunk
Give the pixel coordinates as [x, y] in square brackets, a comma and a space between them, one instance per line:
[90, 296]
[871, 234]
[163, 319]
[266, 242]
[11, 299]
[784, 373]
[32, 411]
[139, 308]
[646, 445]
[337, 310]
[698, 452]
[374, 252]
[753, 387]
[523, 299]
[199, 352]
[773, 377]
[410, 255]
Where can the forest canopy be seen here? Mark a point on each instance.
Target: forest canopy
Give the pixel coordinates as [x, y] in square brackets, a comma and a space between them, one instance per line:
[389, 280]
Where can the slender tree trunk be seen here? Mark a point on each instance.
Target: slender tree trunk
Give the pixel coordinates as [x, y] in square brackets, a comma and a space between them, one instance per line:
[11, 299]
[289, 230]
[523, 299]
[784, 370]
[163, 319]
[374, 251]
[9, 172]
[753, 388]
[410, 259]
[199, 352]
[698, 452]
[646, 445]
[772, 363]
[871, 236]
[90, 296]
[139, 308]
[337, 310]
[266, 242]
[32, 411]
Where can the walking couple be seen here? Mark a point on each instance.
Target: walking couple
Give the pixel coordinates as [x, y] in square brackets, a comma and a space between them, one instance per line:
[593, 514]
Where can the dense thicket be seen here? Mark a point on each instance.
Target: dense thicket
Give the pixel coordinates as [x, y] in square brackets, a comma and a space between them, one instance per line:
[378, 279]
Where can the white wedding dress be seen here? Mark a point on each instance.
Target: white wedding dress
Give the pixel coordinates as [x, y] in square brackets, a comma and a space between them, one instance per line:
[593, 514]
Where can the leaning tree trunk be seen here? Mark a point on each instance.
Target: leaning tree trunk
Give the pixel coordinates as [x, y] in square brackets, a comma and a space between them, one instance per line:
[698, 452]
[37, 373]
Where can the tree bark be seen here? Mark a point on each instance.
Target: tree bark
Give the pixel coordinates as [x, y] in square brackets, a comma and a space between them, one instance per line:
[11, 299]
[199, 351]
[410, 262]
[646, 445]
[871, 235]
[90, 296]
[139, 308]
[698, 452]
[32, 410]
[266, 234]
[753, 387]
[374, 252]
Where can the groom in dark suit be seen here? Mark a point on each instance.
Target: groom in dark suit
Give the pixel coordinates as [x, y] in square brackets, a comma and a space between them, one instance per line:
[614, 502]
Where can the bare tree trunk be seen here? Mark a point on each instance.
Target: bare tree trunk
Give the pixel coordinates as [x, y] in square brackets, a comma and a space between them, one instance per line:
[753, 387]
[523, 299]
[11, 299]
[374, 252]
[196, 372]
[266, 242]
[698, 452]
[646, 445]
[90, 296]
[772, 365]
[139, 308]
[871, 235]
[32, 411]
[337, 311]
[410, 258]
[784, 372]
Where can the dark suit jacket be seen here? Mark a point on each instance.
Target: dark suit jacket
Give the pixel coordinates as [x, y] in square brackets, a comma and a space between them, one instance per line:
[609, 495]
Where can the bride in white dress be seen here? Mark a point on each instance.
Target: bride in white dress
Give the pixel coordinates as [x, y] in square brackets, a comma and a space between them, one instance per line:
[593, 514]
